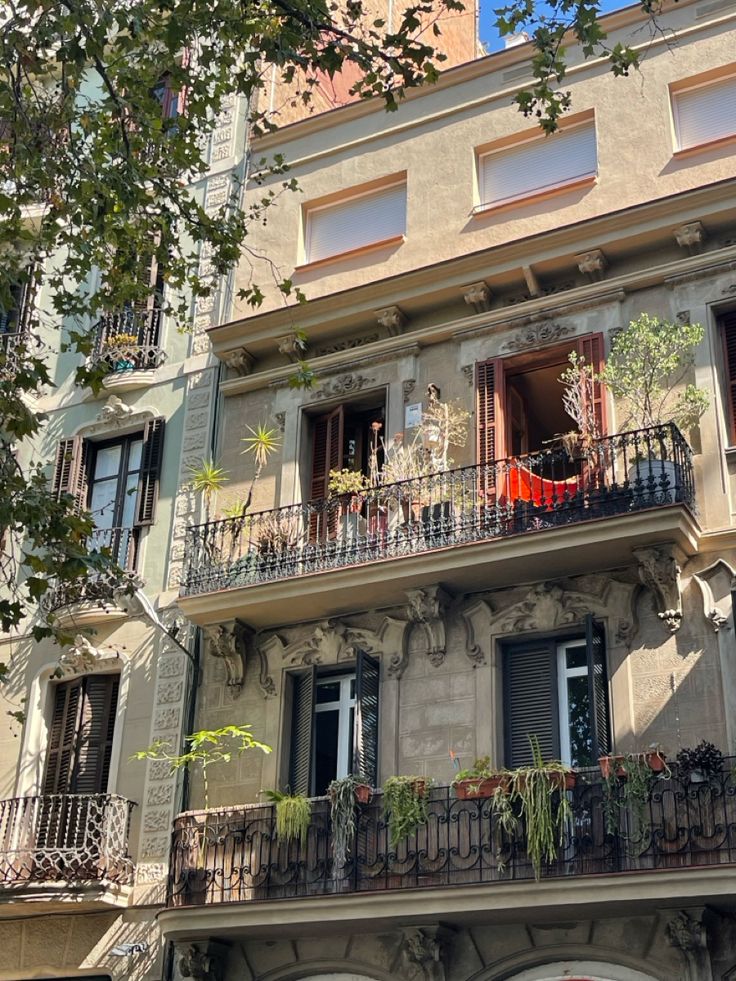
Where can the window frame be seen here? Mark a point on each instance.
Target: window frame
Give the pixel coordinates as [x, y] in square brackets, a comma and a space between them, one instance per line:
[344, 704]
[712, 77]
[125, 442]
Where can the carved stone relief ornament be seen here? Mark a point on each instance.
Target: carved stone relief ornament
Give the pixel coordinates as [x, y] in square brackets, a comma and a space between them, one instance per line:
[393, 319]
[343, 385]
[686, 931]
[201, 965]
[691, 236]
[426, 609]
[716, 617]
[536, 335]
[229, 642]
[423, 952]
[240, 361]
[659, 571]
[592, 264]
[407, 387]
[115, 410]
[478, 296]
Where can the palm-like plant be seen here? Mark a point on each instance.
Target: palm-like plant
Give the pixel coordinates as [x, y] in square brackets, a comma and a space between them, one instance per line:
[262, 443]
[206, 478]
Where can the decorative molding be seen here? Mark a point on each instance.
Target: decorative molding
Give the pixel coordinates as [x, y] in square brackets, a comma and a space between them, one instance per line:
[729, 290]
[280, 418]
[82, 656]
[592, 264]
[407, 387]
[202, 965]
[468, 371]
[546, 606]
[478, 296]
[347, 345]
[536, 335]
[686, 931]
[423, 953]
[229, 644]
[291, 347]
[115, 410]
[393, 319]
[343, 385]
[426, 609]
[691, 236]
[240, 361]
[659, 571]
[532, 283]
[477, 620]
[711, 612]
[682, 317]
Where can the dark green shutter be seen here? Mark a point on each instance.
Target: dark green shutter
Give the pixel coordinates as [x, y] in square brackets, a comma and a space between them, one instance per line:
[530, 702]
[302, 733]
[150, 477]
[595, 647]
[365, 739]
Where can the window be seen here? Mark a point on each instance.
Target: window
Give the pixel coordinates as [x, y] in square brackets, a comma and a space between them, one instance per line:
[704, 113]
[537, 165]
[334, 726]
[727, 327]
[342, 440]
[130, 338]
[16, 319]
[117, 481]
[370, 218]
[557, 690]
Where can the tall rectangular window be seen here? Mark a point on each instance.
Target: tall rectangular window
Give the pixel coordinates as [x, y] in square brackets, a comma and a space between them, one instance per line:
[727, 328]
[538, 165]
[705, 113]
[366, 219]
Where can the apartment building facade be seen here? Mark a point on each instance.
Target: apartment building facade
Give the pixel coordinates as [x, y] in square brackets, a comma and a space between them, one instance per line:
[450, 254]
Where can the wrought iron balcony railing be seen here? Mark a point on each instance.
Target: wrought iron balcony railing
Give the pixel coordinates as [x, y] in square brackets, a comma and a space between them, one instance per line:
[15, 348]
[65, 838]
[122, 544]
[234, 855]
[617, 474]
[129, 340]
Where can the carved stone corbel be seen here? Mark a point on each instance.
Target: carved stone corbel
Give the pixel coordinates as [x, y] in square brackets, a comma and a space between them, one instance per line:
[691, 236]
[393, 319]
[424, 952]
[426, 609]
[478, 296]
[229, 643]
[659, 571]
[407, 387]
[712, 613]
[686, 931]
[477, 619]
[240, 361]
[592, 264]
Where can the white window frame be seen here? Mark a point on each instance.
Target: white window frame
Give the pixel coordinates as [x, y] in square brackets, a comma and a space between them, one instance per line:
[684, 89]
[484, 154]
[311, 209]
[344, 703]
[563, 676]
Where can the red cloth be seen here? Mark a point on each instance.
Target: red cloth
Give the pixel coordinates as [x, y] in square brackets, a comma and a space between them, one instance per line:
[523, 485]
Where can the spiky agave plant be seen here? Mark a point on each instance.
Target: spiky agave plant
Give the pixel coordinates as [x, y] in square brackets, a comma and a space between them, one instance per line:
[262, 444]
[206, 478]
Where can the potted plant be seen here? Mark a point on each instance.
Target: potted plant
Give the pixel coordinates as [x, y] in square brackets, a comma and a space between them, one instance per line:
[627, 783]
[480, 781]
[344, 795]
[404, 806]
[699, 763]
[646, 372]
[120, 359]
[204, 748]
[349, 487]
[620, 765]
[293, 815]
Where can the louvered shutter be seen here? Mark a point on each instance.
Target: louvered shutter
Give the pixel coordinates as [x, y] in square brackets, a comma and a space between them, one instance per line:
[150, 476]
[705, 113]
[728, 330]
[365, 736]
[327, 448]
[530, 702]
[539, 164]
[600, 727]
[302, 733]
[70, 471]
[489, 399]
[590, 347]
[339, 228]
[62, 737]
[97, 724]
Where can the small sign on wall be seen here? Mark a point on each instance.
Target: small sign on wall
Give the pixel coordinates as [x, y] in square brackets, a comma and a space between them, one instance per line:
[413, 415]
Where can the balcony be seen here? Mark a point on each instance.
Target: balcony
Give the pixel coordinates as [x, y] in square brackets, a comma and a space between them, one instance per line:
[64, 840]
[128, 343]
[460, 861]
[15, 348]
[480, 524]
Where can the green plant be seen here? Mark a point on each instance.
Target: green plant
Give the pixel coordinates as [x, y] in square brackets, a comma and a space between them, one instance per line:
[347, 482]
[645, 371]
[121, 340]
[578, 399]
[293, 815]
[481, 769]
[705, 758]
[404, 807]
[206, 478]
[628, 787]
[342, 816]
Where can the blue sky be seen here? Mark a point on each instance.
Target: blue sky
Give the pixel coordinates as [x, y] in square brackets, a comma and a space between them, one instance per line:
[489, 35]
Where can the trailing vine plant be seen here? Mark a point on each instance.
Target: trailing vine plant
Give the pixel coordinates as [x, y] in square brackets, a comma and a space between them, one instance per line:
[404, 807]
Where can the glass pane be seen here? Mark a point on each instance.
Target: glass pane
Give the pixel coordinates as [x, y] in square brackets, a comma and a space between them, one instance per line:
[131, 494]
[325, 750]
[576, 657]
[351, 744]
[107, 461]
[328, 691]
[102, 503]
[352, 687]
[134, 457]
[581, 737]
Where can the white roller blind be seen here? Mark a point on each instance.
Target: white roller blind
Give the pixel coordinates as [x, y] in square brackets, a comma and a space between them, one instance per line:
[538, 165]
[705, 113]
[371, 217]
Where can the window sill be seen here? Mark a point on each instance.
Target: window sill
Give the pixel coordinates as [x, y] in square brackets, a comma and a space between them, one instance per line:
[689, 151]
[481, 210]
[384, 243]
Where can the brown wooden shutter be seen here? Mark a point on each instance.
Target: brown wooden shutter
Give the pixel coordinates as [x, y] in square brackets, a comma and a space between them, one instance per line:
[97, 725]
[150, 476]
[590, 347]
[595, 649]
[728, 330]
[302, 733]
[489, 407]
[530, 702]
[327, 447]
[62, 737]
[70, 471]
[365, 735]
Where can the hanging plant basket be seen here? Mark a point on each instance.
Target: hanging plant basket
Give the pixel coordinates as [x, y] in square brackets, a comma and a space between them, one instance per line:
[480, 788]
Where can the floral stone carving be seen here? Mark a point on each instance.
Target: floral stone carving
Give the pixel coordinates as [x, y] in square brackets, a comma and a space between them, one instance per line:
[659, 571]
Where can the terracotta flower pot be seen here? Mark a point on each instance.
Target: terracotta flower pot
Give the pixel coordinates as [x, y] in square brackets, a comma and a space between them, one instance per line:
[559, 781]
[420, 788]
[475, 788]
[655, 760]
[363, 793]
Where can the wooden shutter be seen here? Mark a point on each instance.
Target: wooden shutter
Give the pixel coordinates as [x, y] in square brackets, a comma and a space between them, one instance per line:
[97, 724]
[590, 347]
[365, 735]
[728, 330]
[62, 737]
[70, 471]
[489, 407]
[595, 646]
[530, 702]
[327, 445]
[302, 733]
[150, 476]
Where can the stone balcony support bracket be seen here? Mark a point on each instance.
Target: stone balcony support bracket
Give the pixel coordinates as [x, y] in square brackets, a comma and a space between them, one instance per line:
[659, 571]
